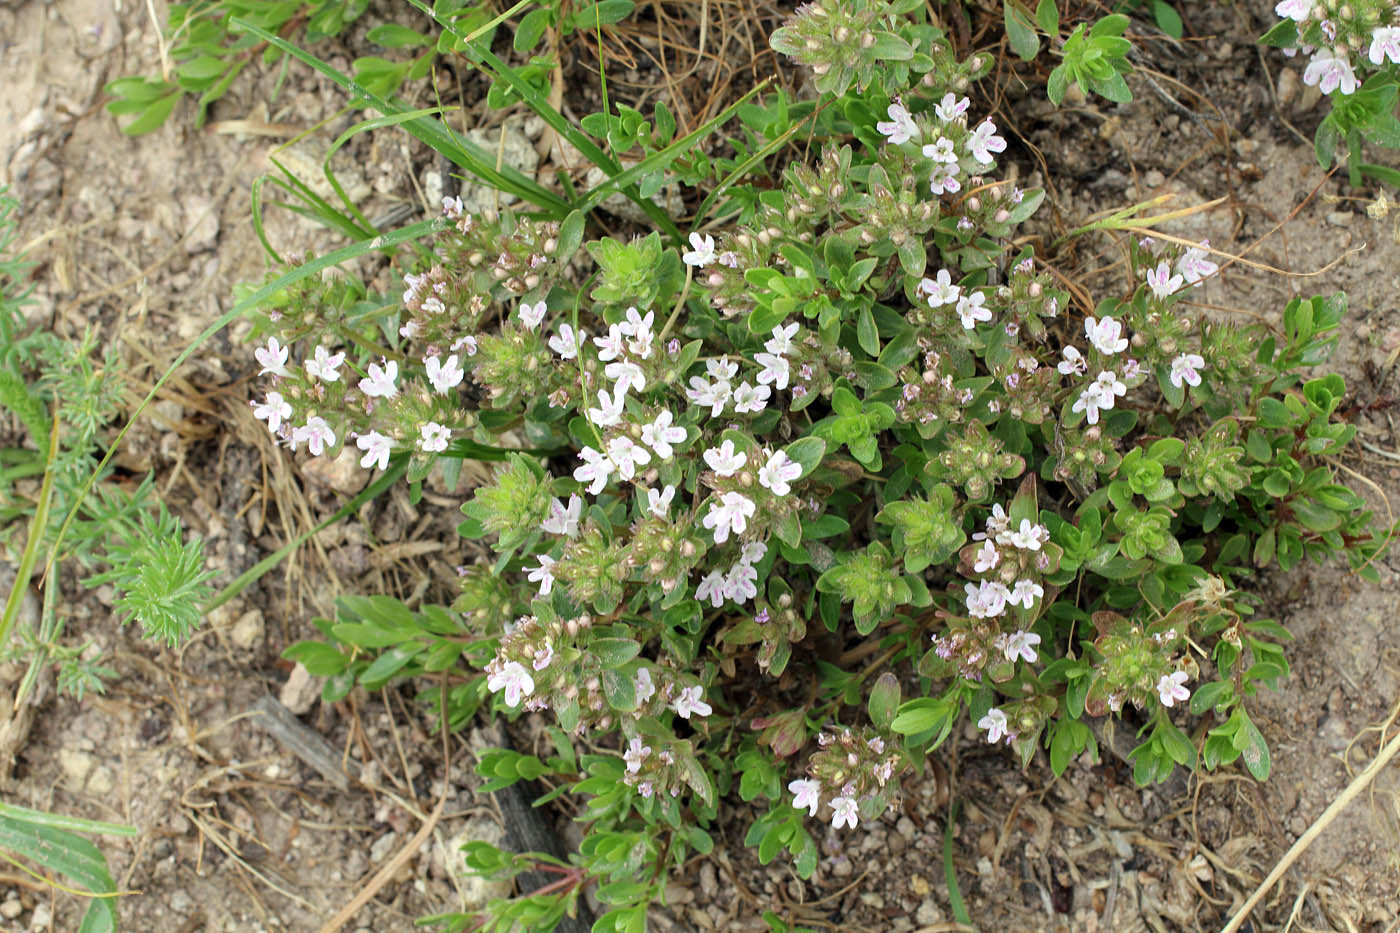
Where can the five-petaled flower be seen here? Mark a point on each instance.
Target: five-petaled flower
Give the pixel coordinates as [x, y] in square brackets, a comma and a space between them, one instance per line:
[636, 754]
[995, 724]
[1331, 71]
[380, 381]
[274, 411]
[1171, 688]
[702, 251]
[730, 514]
[444, 375]
[972, 308]
[1106, 335]
[690, 702]
[433, 437]
[568, 342]
[984, 141]
[725, 460]
[1186, 368]
[563, 520]
[900, 127]
[806, 793]
[1385, 43]
[316, 434]
[515, 680]
[272, 358]
[778, 473]
[377, 448]
[1021, 644]
[532, 314]
[1162, 282]
[324, 365]
[543, 574]
[661, 434]
[843, 812]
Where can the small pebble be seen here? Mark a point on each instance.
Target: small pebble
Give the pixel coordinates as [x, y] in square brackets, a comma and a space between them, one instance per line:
[1340, 218]
[11, 908]
[1154, 178]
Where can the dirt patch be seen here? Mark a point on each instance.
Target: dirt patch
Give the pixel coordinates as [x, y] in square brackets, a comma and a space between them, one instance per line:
[146, 238]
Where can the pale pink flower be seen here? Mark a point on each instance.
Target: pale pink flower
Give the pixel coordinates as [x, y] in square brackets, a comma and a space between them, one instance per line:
[778, 473]
[1162, 282]
[900, 128]
[272, 358]
[806, 793]
[316, 434]
[324, 365]
[1331, 71]
[730, 514]
[274, 411]
[843, 812]
[532, 314]
[661, 434]
[377, 448]
[380, 381]
[725, 460]
[984, 141]
[515, 680]
[1385, 43]
[690, 702]
[543, 575]
[1186, 368]
[1171, 688]
[702, 251]
[636, 754]
[443, 375]
[433, 437]
[563, 520]
[995, 724]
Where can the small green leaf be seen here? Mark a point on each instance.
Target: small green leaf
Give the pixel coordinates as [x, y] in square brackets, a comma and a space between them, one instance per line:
[884, 700]
[1020, 31]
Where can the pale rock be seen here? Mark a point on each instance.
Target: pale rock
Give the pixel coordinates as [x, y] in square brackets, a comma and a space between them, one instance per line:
[247, 632]
[1288, 86]
[476, 891]
[383, 847]
[11, 908]
[1340, 218]
[928, 913]
[102, 782]
[41, 919]
[76, 765]
[300, 691]
[1154, 178]
[343, 474]
[305, 159]
[201, 223]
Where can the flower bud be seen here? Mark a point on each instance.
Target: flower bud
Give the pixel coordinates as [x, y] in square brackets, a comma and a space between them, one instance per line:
[868, 40]
[1001, 216]
[974, 204]
[1035, 290]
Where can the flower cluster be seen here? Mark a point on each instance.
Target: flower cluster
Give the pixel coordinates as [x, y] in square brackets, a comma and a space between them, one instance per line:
[1342, 37]
[852, 772]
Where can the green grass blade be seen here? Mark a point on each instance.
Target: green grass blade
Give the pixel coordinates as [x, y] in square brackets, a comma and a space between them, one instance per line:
[435, 134]
[37, 527]
[484, 58]
[662, 158]
[950, 870]
[71, 856]
[397, 119]
[71, 823]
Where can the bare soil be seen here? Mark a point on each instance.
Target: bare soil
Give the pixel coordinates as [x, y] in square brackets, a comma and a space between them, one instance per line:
[146, 238]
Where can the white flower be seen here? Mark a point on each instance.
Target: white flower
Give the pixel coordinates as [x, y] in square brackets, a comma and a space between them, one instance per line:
[409, 330]
[595, 470]
[843, 812]
[1073, 364]
[987, 558]
[995, 724]
[1022, 644]
[724, 460]
[944, 179]
[995, 526]
[753, 552]
[272, 358]
[543, 574]
[1106, 335]
[984, 141]
[1194, 264]
[702, 251]
[468, 343]
[973, 308]
[1025, 593]
[806, 793]
[627, 374]
[627, 456]
[563, 520]
[1111, 385]
[661, 434]
[900, 128]
[987, 599]
[433, 437]
[645, 688]
[776, 370]
[433, 305]
[659, 503]
[636, 754]
[639, 328]
[782, 340]
[377, 448]
[1090, 401]
[739, 585]
[712, 587]
[514, 680]
[443, 376]
[1029, 536]
[1331, 71]
[723, 368]
[1171, 688]
[941, 290]
[613, 345]
[1161, 280]
[1296, 10]
[714, 394]
[317, 435]
[324, 365]
[950, 107]
[1187, 368]
[751, 399]
[452, 208]
[609, 410]
[778, 472]
[567, 343]
[532, 314]
[380, 382]
[730, 514]
[1385, 43]
[941, 151]
[274, 411]
[690, 702]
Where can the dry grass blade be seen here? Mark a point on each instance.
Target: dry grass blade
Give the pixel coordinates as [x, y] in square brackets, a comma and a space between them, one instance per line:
[1360, 783]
